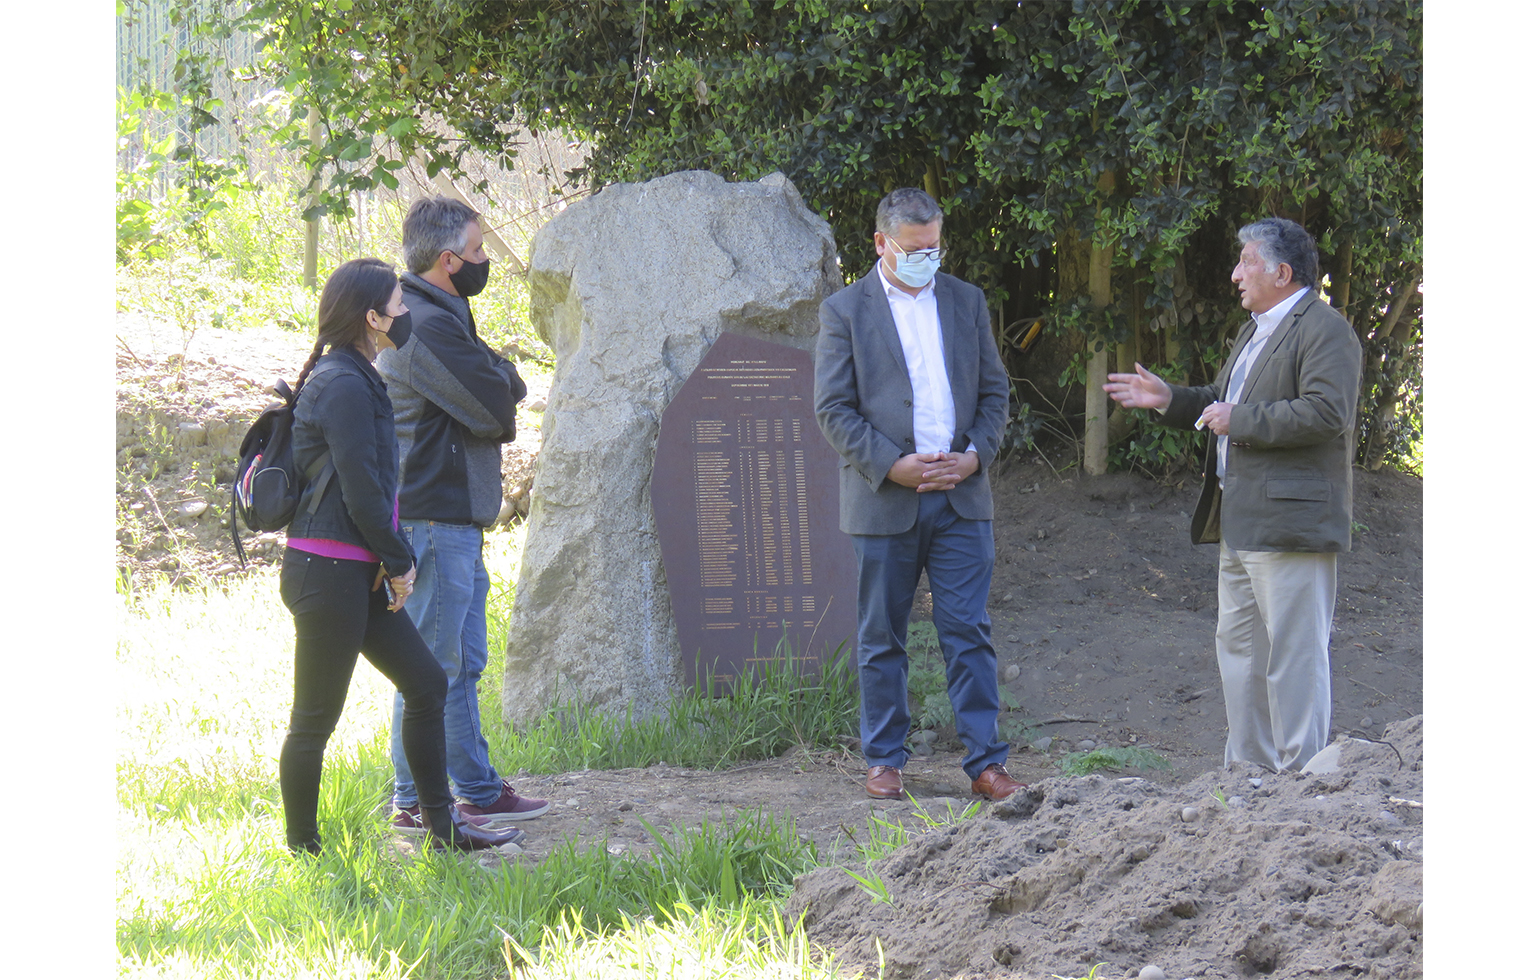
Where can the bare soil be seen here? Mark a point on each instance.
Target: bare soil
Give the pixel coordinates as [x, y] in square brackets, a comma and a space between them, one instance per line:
[1103, 619]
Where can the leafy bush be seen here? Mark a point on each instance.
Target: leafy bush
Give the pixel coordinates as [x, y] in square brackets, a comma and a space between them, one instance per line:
[1157, 449]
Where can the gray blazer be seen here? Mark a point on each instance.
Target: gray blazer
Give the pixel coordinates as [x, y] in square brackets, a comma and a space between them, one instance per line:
[1289, 478]
[864, 401]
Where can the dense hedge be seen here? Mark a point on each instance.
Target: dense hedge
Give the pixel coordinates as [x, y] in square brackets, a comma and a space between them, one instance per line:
[1050, 131]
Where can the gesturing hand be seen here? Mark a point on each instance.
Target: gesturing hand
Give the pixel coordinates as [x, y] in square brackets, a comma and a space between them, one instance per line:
[1139, 390]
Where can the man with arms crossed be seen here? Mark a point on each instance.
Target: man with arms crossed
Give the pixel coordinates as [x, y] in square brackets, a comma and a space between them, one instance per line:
[454, 401]
[909, 389]
[1277, 492]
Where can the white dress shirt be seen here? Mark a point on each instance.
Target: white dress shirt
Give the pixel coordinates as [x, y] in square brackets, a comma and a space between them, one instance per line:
[919, 330]
[1266, 324]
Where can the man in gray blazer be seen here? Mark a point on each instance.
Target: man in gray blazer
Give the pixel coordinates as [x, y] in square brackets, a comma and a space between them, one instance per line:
[909, 389]
[1277, 492]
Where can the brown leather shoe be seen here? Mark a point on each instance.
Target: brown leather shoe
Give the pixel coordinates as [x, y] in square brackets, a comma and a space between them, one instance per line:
[884, 783]
[995, 783]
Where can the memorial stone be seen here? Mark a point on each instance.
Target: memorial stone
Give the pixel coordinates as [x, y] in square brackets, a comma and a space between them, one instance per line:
[630, 287]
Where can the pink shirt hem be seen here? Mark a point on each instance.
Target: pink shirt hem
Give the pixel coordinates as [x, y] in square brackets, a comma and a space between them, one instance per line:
[333, 549]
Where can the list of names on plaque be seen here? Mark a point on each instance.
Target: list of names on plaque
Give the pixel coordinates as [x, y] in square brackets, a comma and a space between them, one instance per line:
[754, 535]
[745, 497]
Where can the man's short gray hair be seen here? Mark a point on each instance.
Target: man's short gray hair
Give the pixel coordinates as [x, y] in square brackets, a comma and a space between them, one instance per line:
[432, 225]
[906, 206]
[1280, 240]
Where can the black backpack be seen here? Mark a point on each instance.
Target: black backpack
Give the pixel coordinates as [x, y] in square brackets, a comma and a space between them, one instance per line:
[267, 487]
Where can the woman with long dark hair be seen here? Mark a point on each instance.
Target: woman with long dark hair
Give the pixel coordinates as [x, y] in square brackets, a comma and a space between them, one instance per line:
[347, 570]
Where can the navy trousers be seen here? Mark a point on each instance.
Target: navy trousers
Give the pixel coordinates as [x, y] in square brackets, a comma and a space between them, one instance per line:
[958, 556]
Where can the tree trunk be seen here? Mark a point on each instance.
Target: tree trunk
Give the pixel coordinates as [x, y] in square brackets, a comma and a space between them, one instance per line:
[1172, 329]
[313, 227]
[1392, 319]
[1121, 423]
[1399, 326]
[1096, 434]
[1342, 292]
[1100, 276]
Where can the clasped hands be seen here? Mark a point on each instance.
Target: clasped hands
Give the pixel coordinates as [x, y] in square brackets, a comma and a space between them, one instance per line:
[933, 471]
[400, 586]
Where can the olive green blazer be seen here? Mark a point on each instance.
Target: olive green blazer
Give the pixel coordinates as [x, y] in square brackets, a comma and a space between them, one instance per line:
[1289, 477]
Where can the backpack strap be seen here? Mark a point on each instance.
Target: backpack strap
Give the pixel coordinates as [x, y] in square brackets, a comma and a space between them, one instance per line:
[322, 468]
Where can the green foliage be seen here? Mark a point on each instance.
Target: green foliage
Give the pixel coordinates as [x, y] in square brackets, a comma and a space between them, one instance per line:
[1020, 436]
[882, 838]
[1044, 129]
[1131, 757]
[1390, 414]
[248, 274]
[872, 884]
[1157, 449]
[782, 709]
[757, 854]
[139, 228]
[953, 816]
[170, 151]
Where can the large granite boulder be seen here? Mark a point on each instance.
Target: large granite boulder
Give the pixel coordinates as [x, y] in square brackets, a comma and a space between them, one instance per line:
[629, 288]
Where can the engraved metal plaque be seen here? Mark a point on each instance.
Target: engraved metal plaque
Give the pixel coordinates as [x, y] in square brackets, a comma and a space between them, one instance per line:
[745, 495]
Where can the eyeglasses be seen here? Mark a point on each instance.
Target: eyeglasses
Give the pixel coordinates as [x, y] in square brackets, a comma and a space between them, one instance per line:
[929, 254]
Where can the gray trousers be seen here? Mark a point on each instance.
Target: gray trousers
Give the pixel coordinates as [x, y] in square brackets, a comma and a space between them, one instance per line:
[1275, 611]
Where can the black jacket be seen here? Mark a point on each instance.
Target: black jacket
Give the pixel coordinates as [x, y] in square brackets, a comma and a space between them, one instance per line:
[344, 407]
[454, 399]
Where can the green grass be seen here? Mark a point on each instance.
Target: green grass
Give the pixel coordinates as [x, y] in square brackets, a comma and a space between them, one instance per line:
[707, 942]
[1132, 757]
[206, 888]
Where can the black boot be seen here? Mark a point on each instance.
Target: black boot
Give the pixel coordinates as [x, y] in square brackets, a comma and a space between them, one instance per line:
[447, 830]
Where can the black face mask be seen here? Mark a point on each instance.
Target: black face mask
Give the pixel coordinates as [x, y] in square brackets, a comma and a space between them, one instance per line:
[400, 329]
[471, 278]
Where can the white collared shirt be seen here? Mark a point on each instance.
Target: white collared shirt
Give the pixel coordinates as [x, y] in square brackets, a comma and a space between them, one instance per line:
[919, 330]
[1266, 324]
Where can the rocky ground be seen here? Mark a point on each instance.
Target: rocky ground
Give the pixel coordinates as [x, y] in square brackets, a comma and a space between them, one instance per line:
[1103, 618]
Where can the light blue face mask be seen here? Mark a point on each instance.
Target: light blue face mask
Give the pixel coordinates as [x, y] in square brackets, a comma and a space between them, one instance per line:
[916, 268]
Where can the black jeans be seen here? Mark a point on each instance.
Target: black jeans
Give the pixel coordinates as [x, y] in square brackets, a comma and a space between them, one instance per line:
[336, 617]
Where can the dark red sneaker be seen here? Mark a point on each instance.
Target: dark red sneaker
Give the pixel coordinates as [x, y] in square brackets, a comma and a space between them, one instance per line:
[409, 820]
[464, 837]
[508, 807]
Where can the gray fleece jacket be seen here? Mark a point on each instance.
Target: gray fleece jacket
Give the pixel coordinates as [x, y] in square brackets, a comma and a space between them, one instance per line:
[454, 401]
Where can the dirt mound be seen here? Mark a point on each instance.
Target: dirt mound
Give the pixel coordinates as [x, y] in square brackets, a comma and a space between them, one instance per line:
[1237, 873]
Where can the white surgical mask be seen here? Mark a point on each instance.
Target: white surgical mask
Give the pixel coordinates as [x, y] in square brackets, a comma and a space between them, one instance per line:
[915, 268]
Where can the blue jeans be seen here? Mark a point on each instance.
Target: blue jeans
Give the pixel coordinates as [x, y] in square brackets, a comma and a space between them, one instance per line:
[449, 605]
[958, 556]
